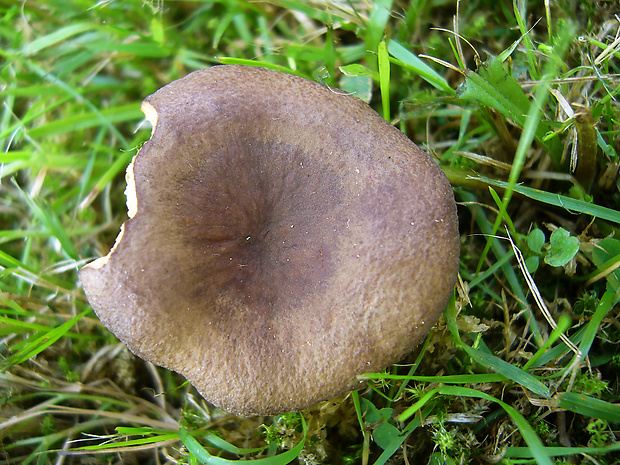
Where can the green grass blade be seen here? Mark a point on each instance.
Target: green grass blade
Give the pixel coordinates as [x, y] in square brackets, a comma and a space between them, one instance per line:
[50, 220]
[511, 372]
[228, 447]
[262, 64]
[359, 413]
[410, 61]
[14, 326]
[101, 116]
[384, 79]
[398, 441]
[605, 305]
[377, 22]
[490, 361]
[532, 123]
[564, 324]
[201, 454]
[418, 405]
[141, 48]
[155, 439]
[493, 87]
[536, 446]
[526, 453]
[318, 14]
[529, 435]
[508, 270]
[575, 206]
[56, 37]
[477, 378]
[519, 9]
[39, 344]
[114, 115]
[589, 406]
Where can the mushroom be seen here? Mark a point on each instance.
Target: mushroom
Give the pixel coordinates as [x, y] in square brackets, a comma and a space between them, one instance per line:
[283, 239]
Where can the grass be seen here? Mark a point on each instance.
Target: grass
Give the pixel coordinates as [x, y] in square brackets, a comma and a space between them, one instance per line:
[524, 365]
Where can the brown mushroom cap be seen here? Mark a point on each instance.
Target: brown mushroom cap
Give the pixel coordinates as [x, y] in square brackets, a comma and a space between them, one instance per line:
[283, 239]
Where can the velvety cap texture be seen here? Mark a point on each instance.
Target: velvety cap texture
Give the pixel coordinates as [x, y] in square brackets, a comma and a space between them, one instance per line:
[283, 239]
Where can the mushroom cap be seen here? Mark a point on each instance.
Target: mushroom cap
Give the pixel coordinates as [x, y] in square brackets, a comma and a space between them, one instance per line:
[283, 239]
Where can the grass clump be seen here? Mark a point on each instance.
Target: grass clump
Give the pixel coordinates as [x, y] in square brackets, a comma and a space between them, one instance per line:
[516, 101]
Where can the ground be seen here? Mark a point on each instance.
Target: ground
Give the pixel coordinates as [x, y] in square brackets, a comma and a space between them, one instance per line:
[515, 101]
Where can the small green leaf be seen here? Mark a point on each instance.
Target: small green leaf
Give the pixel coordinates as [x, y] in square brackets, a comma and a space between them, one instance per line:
[532, 263]
[356, 69]
[157, 30]
[535, 240]
[371, 413]
[577, 192]
[358, 86]
[563, 248]
[438, 458]
[384, 434]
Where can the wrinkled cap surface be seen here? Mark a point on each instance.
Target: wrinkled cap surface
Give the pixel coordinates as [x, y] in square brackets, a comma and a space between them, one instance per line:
[283, 239]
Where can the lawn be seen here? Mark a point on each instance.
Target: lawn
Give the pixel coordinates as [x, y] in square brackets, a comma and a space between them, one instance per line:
[516, 102]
